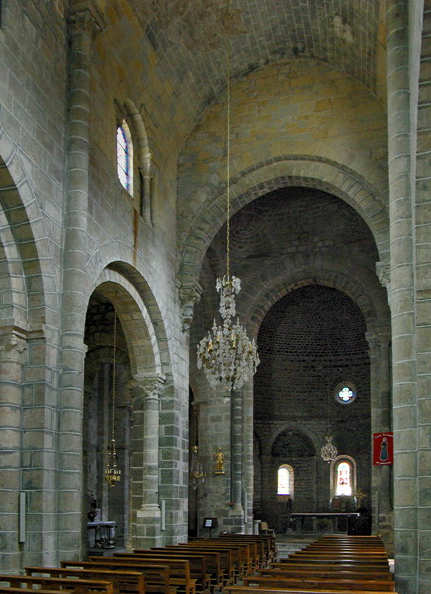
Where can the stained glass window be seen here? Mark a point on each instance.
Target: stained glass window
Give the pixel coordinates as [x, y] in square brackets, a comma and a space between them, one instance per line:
[345, 393]
[343, 478]
[124, 157]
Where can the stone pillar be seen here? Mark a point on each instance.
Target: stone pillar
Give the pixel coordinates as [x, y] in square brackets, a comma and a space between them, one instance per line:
[84, 21]
[236, 513]
[12, 353]
[402, 297]
[247, 457]
[381, 476]
[147, 528]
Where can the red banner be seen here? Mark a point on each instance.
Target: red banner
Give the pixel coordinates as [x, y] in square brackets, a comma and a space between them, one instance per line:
[383, 448]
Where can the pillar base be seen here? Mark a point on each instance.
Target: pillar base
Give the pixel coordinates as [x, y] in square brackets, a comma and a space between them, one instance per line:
[386, 530]
[146, 531]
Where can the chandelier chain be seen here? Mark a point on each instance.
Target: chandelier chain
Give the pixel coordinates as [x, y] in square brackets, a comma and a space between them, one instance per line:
[226, 354]
[228, 75]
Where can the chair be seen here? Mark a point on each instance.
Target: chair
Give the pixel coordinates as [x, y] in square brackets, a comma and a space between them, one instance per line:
[265, 529]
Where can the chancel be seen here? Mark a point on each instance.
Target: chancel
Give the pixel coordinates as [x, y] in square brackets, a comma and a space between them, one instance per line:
[151, 155]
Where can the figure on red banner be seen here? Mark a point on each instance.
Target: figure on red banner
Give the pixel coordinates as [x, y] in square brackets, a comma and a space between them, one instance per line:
[384, 455]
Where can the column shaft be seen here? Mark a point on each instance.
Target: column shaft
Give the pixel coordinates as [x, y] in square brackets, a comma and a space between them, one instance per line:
[84, 22]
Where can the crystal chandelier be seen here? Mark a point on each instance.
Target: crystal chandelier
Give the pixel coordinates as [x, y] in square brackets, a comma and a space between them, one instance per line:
[226, 354]
[112, 472]
[197, 475]
[329, 451]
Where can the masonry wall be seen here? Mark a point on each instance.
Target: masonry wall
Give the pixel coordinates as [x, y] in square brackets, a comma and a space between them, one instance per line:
[309, 342]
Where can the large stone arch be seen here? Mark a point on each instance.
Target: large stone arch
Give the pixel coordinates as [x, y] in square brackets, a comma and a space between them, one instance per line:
[26, 239]
[209, 213]
[29, 318]
[141, 282]
[140, 335]
[362, 288]
[148, 356]
[297, 428]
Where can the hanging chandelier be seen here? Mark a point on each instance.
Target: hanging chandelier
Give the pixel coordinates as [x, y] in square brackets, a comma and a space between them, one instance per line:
[112, 472]
[197, 476]
[226, 354]
[329, 451]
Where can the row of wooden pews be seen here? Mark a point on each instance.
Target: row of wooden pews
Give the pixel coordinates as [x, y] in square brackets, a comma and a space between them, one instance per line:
[197, 567]
[332, 565]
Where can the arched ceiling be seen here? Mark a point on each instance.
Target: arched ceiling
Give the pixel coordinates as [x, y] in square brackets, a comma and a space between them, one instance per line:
[189, 37]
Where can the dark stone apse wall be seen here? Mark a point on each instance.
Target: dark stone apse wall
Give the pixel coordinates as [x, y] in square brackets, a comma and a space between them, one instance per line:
[309, 342]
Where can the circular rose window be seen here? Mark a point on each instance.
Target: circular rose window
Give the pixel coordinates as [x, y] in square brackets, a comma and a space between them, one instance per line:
[345, 393]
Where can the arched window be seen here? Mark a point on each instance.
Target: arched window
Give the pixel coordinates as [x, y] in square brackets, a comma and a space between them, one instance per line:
[343, 476]
[285, 480]
[125, 157]
[344, 479]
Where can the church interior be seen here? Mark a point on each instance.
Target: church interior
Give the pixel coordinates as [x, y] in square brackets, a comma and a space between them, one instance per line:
[215, 275]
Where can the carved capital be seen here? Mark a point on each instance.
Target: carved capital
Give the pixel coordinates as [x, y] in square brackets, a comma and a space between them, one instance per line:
[373, 344]
[85, 16]
[148, 386]
[189, 296]
[13, 344]
[383, 271]
[377, 341]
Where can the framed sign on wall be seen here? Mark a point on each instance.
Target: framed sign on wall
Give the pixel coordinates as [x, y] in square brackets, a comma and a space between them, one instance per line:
[383, 448]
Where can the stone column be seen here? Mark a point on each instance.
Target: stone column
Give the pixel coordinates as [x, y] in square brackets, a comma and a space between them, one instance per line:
[402, 296]
[247, 457]
[84, 21]
[147, 529]
[236, 513]
[381, 476]
[12, 354]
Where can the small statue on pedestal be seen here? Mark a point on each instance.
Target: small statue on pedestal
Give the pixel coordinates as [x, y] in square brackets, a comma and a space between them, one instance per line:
[219, 466]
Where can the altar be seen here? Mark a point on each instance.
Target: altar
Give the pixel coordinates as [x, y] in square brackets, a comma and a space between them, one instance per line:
[101, 535]
[309, 521]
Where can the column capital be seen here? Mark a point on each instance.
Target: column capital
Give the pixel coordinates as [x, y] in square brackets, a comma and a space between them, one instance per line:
[190, 295]
[148, 386]
[377, 341]
[13, 344]
[85, 15]
[383, 270]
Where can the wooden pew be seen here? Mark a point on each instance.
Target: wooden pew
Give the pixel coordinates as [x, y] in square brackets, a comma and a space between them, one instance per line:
[254, 551]
[77, 586]
[332, 559]
[10, 590]
[325, 572]
[131, 582]
[212, 559]
[234, 552]
[335, 565]
[252, 590]
[197, 562]
[157, 577]
[320, 583]
[227, 562]
[267, 541]
[179, 569]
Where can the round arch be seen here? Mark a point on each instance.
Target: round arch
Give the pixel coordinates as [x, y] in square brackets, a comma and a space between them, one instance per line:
[200, 226]
[25, 238]
[362, 290]
[139, 332]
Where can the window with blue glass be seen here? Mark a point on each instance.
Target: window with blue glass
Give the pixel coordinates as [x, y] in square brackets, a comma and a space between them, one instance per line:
[124, 156]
